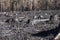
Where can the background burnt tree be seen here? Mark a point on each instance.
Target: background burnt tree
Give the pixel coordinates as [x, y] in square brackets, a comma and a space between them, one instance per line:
[33, 8]
[13, 5]
[16, 5]
[27, 7]
[0, 6]
[44, 4]
[5, 9]
[54, 5]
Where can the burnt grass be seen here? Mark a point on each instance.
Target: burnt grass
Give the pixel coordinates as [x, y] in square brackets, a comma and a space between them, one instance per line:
[21, 35]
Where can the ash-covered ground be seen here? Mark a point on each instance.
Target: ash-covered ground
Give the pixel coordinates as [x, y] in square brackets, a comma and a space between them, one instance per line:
[29, 25]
